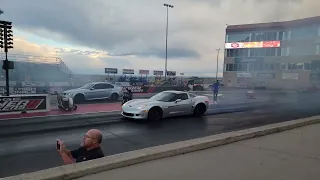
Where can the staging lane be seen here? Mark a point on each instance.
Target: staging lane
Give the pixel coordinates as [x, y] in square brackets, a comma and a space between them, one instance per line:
[130, 135]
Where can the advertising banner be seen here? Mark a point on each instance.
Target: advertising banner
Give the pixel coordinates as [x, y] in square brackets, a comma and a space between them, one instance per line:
[111, 70]
[128, 71]
[244, 75]
[19, 90]
[261, 44]
[248, 60]
[265, 76]
[134, 89]
[17, 103]
[33, 84]
[171, 73]
[158, 73]
[291, 76]
[144, 72]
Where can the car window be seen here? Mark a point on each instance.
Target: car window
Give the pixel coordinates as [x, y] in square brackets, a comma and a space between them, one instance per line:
[99, 86]
[108, 86]
[183, 96]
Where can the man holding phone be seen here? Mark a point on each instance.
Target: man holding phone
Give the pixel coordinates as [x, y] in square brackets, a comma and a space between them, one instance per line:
[89, 150]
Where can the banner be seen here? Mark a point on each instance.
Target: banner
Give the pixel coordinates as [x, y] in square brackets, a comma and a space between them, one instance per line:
[291, 76]
[128, 71]
[144, 72]
[19, 90]
[158, 73]
[111, 70]
[134, 89]
[23, 103]
[244, 75]
[171, 73]
[261, 44]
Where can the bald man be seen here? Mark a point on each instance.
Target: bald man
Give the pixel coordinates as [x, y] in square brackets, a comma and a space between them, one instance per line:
[90, 148]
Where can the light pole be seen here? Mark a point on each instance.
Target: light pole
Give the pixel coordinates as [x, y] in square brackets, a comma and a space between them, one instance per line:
[218, 50]
[165, 68]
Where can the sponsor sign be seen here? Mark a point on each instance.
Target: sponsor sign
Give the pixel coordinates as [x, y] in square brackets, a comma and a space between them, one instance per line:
[111, 70]
[244, 75]
[144, 72]
[158, 73]
[171, 73]
[261, 44]
[181, 74]
[266, 75]
[33, 84]
[291, 76]
[248, 60]
[134, 89]
[315, 76]
[127, 71]
[11, 83]
[20, 103]
[19, 90]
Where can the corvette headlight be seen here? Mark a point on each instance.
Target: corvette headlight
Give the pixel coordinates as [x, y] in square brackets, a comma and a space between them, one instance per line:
[142, 107]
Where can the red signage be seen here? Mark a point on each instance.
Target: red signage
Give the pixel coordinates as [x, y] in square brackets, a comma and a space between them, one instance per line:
[261, 44]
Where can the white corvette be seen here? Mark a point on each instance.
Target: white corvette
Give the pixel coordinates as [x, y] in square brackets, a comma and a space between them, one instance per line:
[166, 104]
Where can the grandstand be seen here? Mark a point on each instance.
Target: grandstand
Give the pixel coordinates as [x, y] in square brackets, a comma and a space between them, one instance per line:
[38, 70]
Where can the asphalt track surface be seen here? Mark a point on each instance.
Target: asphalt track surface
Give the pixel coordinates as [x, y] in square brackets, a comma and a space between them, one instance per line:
[35, 152]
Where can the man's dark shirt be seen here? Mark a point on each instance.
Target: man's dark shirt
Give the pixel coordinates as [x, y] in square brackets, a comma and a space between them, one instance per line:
[82, 154]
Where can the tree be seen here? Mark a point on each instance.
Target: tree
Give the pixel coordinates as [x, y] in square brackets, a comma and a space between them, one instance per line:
[1, 11]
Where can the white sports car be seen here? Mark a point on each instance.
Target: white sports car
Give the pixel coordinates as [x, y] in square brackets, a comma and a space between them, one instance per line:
[166, 104]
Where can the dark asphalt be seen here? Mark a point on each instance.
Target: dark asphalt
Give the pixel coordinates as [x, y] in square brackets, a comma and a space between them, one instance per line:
[35, 152]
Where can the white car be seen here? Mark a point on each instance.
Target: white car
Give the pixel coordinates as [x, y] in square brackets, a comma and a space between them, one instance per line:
[166, 104]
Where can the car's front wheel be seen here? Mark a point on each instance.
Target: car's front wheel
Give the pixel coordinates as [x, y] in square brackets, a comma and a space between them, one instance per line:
[79, 98]
[155, 114]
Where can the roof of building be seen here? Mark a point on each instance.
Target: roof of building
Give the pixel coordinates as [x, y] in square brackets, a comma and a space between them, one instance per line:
[274, 25]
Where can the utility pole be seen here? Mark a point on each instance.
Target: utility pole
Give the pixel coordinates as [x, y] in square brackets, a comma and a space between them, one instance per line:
[218, 50]
[6, 42]
[167, 26]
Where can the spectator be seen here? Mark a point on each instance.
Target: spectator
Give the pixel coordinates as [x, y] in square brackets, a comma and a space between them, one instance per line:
[215, 89]
[90, 148]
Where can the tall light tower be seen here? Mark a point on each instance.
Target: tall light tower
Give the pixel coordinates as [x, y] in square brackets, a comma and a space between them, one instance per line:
[218, 50]
[166, 62]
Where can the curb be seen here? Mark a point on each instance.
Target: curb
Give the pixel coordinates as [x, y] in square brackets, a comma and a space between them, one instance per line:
[148, 154]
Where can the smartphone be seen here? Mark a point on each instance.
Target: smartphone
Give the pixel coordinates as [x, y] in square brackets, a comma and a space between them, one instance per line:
[58, 145]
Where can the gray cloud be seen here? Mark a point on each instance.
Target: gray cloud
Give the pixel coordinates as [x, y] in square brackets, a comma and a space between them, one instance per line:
[124, 28]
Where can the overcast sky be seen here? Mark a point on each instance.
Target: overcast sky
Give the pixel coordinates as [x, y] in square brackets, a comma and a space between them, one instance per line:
[92, 35]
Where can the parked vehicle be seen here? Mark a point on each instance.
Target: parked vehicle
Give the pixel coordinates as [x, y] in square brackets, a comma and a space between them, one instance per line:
[95, 91]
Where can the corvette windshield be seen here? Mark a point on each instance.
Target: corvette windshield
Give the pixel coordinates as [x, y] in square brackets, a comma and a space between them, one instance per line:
[164, 96]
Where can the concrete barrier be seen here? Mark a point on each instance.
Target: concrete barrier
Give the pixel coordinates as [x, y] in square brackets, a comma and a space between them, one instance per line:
[129, 158]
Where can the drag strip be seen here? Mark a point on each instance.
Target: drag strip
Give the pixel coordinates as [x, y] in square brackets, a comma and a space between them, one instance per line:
[37, 151]
[39, 125]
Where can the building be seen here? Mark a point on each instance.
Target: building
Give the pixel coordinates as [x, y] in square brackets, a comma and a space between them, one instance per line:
[284, 55]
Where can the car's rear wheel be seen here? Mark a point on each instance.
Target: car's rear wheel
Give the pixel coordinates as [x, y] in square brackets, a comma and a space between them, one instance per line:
[155, 114]
[79, 98]
[200, 109]
[114, 97]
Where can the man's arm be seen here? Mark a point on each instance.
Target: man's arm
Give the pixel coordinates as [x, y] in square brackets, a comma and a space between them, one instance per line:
[67, 157]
